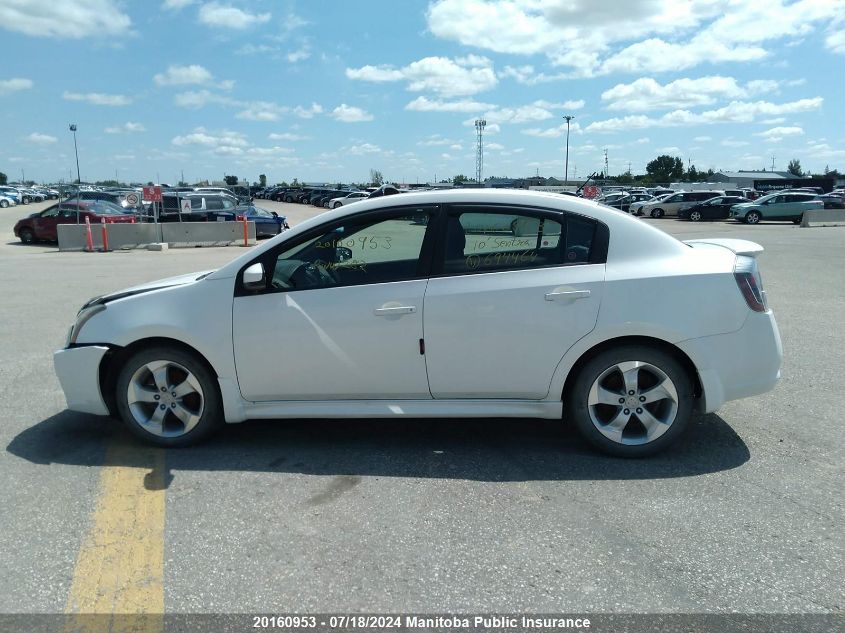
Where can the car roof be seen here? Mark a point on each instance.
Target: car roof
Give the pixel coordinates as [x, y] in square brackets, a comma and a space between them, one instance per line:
[645, 238]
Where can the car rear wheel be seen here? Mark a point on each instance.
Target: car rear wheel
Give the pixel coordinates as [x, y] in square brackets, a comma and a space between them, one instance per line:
[752, 217]
[4, 203]
[25, 200]
[167, 397]
[632, 401]
[27, 236]
[799, 219]
[657, 213]
[695, 216]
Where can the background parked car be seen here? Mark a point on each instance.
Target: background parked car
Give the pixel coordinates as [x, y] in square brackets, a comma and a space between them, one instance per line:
[267, 223]
[671, 205]
[718, 208]
[833, 200]
[355, 196]
[7, 201]
[777, 206]
[44, 224]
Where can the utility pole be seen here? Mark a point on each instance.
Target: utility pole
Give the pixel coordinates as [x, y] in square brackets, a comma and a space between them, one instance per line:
[605, 163]
[76, 152]
[480, 124]
[568, 118]
[773, 162]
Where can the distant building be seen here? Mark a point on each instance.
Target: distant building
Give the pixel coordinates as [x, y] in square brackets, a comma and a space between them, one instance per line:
[770, 180]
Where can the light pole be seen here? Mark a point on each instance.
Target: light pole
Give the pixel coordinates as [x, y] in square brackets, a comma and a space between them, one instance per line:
[568, 118]
[76, 152]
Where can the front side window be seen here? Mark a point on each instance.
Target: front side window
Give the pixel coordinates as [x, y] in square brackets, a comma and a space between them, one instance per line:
[360, 251]
[490, 240]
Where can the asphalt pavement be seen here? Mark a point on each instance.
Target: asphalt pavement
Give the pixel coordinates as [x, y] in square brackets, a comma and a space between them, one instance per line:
[745, 515]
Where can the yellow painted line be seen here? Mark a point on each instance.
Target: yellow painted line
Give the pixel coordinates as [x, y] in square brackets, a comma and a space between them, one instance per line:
[120, 567]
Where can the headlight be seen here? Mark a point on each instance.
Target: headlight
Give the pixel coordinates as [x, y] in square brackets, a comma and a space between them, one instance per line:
[82, 318]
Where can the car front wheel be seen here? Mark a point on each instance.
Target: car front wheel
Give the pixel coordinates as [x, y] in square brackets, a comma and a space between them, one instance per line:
[632, 401]
[167, 397]
[27, 236]
[752, 217]
[695, 216]
[4, 203]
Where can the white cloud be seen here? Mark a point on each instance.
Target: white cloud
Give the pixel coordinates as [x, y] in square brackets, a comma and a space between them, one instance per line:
[350, 114]
[361, 149]
[129, 126]
[41, 139]
[462, 76]
[702, 139]
[229, 17]
[201, 136]
[734, 112]
[435, 140]
[8, 86]
[592, 37]
[181, 75]
[286, 136]
[72, 19]
[553, 132]
[97, 98]
[175, 5]
[298, 55]
[424, 104]
[647, 94]
[200, 98]
[778, 133]
[309, 112]
[261, 111]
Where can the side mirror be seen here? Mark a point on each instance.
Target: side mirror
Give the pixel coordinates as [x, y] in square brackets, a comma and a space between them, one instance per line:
[254, 277]
[342, 254]
[275, 215]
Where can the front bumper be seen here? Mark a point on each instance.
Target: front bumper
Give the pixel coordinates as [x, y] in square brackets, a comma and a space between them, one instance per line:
[738, 364]
[78, 370]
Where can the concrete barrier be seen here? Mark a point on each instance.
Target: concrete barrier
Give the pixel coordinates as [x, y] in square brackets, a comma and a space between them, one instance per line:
[175, 234]
[823, 217]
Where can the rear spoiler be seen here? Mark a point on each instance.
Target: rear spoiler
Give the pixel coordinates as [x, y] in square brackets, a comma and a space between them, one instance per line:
[740, 247]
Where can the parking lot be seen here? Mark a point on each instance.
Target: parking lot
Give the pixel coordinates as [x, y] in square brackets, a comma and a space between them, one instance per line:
[423, 515]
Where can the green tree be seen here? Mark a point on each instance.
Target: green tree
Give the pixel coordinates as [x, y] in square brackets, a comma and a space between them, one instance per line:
[262, 180]
[794, 167]
[625, 179]
[459, 179]
[3, 178]
[665, 168]
[692, 175]
[294, 182]
[231, 180]
[376, 177]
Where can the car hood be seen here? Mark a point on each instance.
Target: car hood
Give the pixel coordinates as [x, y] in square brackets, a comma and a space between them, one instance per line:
[744, 205]
[159, 284]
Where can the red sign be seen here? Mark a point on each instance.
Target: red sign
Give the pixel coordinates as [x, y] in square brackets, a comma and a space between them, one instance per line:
[153, 194]
[591, 191]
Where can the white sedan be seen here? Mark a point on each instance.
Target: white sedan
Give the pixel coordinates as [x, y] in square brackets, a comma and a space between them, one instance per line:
[459, 303]
[355, 196]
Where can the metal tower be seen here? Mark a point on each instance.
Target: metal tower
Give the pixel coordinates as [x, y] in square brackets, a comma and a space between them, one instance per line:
[480, 124]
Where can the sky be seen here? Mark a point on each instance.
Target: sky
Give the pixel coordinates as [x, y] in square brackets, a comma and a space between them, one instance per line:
[326, 90]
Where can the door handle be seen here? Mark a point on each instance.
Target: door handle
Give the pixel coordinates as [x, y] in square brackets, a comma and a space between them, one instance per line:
[567, 295]
[395, 310]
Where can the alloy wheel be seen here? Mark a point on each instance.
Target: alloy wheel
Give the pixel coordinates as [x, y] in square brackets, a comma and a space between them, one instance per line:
[165, 399]
[695, 216]
[632, 403]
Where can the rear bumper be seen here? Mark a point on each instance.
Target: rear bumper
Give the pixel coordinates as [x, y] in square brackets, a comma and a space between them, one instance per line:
[78, 369]
[739, 364]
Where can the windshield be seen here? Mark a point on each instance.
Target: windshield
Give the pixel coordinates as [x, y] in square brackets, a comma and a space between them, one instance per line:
[106, 208]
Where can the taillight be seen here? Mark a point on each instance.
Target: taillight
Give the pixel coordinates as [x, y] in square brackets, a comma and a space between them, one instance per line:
[750, 284]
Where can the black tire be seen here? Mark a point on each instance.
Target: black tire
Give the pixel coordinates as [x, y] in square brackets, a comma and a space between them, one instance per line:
[25, 200]
[695, 216]
[27, 236]
[212, 411]
[657, 213]
[799, 219]
[577, 408]
[4, 203]
[752, 217]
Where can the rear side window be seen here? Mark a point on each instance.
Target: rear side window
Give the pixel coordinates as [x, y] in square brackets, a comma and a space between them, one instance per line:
[487, 239]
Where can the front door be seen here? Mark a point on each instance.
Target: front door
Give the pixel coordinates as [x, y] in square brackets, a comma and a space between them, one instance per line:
[341, 314]
[507, 303]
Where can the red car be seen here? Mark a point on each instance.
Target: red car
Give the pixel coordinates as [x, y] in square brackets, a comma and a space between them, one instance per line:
[44, 225]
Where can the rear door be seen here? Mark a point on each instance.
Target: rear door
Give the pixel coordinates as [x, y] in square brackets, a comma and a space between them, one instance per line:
[504, 305]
